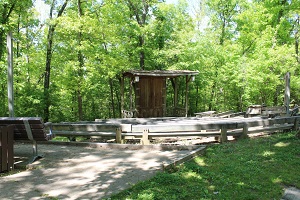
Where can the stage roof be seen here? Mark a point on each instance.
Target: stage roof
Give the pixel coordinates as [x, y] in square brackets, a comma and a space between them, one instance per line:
[160, 73]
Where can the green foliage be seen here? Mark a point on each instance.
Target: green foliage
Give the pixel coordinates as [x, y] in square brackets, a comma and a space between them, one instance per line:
[242, 55]
[257, 168]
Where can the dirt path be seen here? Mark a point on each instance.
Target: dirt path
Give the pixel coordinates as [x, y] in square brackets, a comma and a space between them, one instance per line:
[81, 172]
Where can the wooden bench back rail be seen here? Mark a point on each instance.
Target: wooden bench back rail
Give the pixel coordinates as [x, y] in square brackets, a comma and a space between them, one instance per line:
[85, 129]
[29, 128]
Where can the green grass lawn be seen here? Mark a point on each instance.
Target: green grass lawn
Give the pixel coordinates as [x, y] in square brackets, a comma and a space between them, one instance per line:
[257, 168]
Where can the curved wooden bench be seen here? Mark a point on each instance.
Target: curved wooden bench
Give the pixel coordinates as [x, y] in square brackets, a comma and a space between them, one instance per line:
[29, 128]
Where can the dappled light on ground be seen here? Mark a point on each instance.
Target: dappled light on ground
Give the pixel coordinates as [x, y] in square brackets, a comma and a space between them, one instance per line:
[70, 172]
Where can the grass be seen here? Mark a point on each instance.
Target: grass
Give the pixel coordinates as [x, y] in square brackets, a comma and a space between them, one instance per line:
[257, 168]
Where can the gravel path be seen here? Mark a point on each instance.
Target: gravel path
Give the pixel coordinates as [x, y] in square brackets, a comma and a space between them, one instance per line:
[82, 172]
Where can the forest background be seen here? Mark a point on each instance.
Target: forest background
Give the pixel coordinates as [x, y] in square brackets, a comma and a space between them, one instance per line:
[68, 66]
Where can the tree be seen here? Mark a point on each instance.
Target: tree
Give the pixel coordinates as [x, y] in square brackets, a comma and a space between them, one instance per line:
[10, 12]
[6, 9]
[241, 55]
[50, 37]
[140, 11]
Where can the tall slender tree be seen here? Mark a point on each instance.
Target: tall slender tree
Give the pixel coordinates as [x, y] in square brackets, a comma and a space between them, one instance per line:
[6, 9]
[140, 11]
[50, 38]
[80, 61]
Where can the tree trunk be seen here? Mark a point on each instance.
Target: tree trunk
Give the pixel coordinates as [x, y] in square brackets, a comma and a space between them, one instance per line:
[51, 31]
[4, 18]
[222, 38]
[142, 52]
[47, 72]
[297, 39]
[6, 12]
[112, 97]
[1, 43]
[140, 12]
[81, 65]
[212, 96]
[79, 100]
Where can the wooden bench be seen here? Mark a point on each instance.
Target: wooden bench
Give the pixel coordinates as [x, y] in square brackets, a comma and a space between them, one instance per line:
[205, 114]
[29, 128]
[86, 129]
[266, 111]
[273, 111]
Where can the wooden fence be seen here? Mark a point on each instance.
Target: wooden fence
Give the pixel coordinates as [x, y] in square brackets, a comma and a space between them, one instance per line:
[211, 127]
[146, 129]
[6, 148]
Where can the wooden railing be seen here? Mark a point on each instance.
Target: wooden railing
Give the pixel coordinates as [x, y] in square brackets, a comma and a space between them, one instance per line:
[146, 129]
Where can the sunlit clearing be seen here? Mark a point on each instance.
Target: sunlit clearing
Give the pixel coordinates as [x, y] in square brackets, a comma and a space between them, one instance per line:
[267, 153]
[200, 161]
[282, 144]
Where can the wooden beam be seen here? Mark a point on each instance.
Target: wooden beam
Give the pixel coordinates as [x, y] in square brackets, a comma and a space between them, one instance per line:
[245, 131]
[223, 134]
[164, 96]
[175, 86]
[10, 81]
[296, 124]
[122, 95]
[145, 139]
[287, 93]
[119, 136]
[186, 94]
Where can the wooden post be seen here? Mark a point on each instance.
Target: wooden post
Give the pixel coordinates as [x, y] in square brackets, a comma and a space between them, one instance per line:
[296, 124]
[122, 95]
[10, 81]
[245, 131]
[6, 148]
[186, 94]
[287, 93]
[130, 94]
[119, 136]
[223, 133]
[175, 96]
[164, 93]
[145, 139]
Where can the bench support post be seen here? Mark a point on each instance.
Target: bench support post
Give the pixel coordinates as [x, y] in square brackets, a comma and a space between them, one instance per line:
[245, 131]
[34, 143]
[119, 136]
[145, 140]
[35, 152]
[223, 134]
[296, 124]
